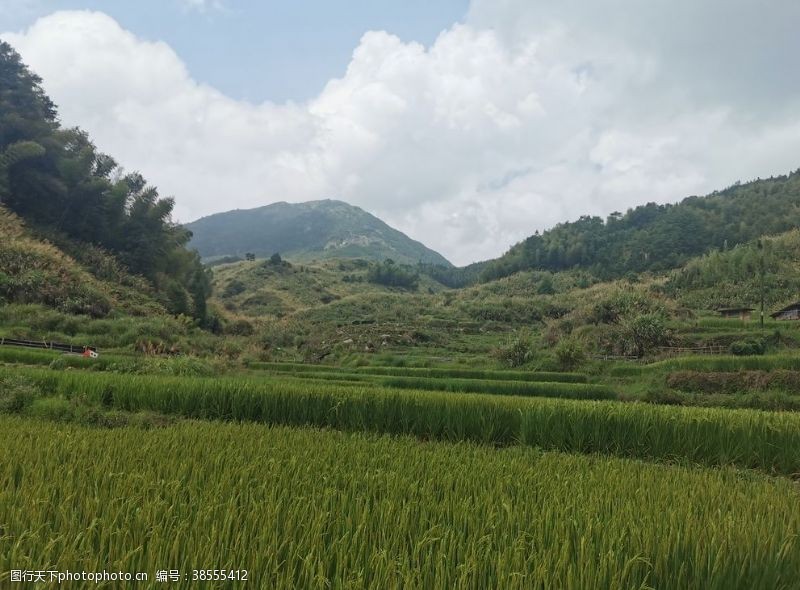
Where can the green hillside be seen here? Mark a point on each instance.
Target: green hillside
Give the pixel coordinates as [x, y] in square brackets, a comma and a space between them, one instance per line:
[657, 238]
[732, 278]
[76, 293]
[56, 180]
[89, 254]
[306, 231]
[532, 318]
[33, 271]
[263, 288]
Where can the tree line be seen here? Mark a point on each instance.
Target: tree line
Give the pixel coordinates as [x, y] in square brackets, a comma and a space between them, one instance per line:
[56, 179]
[655, 237]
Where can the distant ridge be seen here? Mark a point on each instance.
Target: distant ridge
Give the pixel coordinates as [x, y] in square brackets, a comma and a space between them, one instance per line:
[657, 238]
[304, 231]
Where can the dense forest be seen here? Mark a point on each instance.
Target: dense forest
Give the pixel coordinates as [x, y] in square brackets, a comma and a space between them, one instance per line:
[59, 183]
[659, 237]
[733, 277]
[391, 274]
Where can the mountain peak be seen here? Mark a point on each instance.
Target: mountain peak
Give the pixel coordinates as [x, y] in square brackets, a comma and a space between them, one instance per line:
[326, 228]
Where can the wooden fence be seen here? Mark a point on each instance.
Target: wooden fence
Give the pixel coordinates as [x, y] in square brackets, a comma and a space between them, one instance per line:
[664, 351]
[42, 344]
[616, 357]
[681, 350]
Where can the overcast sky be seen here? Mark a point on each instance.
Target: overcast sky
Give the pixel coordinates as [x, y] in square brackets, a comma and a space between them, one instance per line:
[468, 125]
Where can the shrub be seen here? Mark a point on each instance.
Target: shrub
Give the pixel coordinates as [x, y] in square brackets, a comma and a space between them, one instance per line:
[150, 420]
[622, 303]
[642, 334]
[545, 286]
[749, 347]
[569, 354]
[240, 327]
[235, 287]
[517, 353]
[185, 366]
[229, 349]
[56, 409]
[390, 274]
[58, 364]
[16, 394]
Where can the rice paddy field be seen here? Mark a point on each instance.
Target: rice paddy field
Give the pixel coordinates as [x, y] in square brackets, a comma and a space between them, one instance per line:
[715, 363]
[450, 372]
[311, 476]
[305, 508]
[753, 439]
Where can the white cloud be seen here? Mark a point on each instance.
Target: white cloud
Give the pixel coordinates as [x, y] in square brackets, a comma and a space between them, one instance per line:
[517, 119]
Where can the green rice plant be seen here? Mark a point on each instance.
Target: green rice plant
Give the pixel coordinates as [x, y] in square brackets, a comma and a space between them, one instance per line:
[734, 382]
[730, 363]
[496, 387]
[315, 509]
[296, 368]
[627, 370]
[32, 356]
[708, 436]
[716, 363]
[177, 365]
[750, 325]
[773, 401]
[455, 372]
[323, 376]
[521, 388]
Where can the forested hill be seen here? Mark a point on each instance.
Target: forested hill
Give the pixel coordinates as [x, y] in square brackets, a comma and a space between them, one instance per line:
[316, 229]
[58, 183]
[659, 237]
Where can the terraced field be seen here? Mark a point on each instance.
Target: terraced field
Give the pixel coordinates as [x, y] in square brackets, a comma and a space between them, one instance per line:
[319, 476]
[747, 438]
[303, 508]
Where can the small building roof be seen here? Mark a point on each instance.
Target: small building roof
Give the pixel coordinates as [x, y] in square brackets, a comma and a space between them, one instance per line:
[790, 307]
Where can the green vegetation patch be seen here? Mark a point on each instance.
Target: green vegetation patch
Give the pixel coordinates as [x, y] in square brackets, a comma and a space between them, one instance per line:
[762, 440]
[521, 388]
[452, 373]
[311, 509]
[721, 363]
[729, 382]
